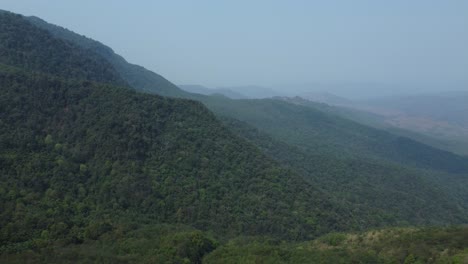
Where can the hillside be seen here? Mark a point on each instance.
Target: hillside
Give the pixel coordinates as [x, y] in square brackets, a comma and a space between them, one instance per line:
[307, 128]
[342, 156]
[388, 193]
[81, 151]
[439, 115]
[383, 121]
[80, 158]
[319, 132]
[93, 170]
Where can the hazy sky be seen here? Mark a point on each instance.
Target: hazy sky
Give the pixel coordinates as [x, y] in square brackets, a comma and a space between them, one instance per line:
[268, 42]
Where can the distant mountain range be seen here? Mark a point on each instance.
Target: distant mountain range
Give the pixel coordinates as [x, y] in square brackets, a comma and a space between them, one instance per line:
[234, 92]
[198, 89]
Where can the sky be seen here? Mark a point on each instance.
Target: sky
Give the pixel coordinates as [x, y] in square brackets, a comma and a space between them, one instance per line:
[411, 44]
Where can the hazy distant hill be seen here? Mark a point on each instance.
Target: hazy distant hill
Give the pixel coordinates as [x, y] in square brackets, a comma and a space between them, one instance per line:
[207, 91]
[326, 134]
[81, 158]
[327, 98]
[253, 91]
[451, 107]
[382, 120]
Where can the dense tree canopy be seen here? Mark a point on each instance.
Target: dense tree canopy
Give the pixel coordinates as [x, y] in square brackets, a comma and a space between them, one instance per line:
[91, 169]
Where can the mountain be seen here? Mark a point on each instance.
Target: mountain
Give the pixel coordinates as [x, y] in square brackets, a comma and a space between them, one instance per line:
[392, 193]
[451, 107]
[318, 132]
[307, 127]
[328, 137]
[441, 115]
[327, 98]
[207, 91]
[94, 170]
[81, 158]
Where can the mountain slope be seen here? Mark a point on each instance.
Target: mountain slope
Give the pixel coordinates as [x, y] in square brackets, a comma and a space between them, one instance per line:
[307, 128]
[318, 132]
[84, 162]
[81, 158]
[81, 151]
[369, 169]
[391, 193]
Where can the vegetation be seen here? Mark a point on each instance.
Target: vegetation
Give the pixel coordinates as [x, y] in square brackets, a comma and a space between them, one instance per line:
[92, 170]
[83, 152]
[430, 245]
[387, 193]
[125, 244]
[309, 128]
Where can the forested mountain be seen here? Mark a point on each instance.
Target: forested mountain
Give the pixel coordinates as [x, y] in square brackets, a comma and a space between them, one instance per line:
[253, 91]
[307, 128]
[92, 169]
[336, 142]
[318, 132]
[74, 151]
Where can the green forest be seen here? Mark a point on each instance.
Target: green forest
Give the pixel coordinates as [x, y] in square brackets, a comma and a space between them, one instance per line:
[103, 161]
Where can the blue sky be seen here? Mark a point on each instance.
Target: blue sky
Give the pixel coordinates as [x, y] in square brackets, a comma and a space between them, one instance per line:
[274, 43]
